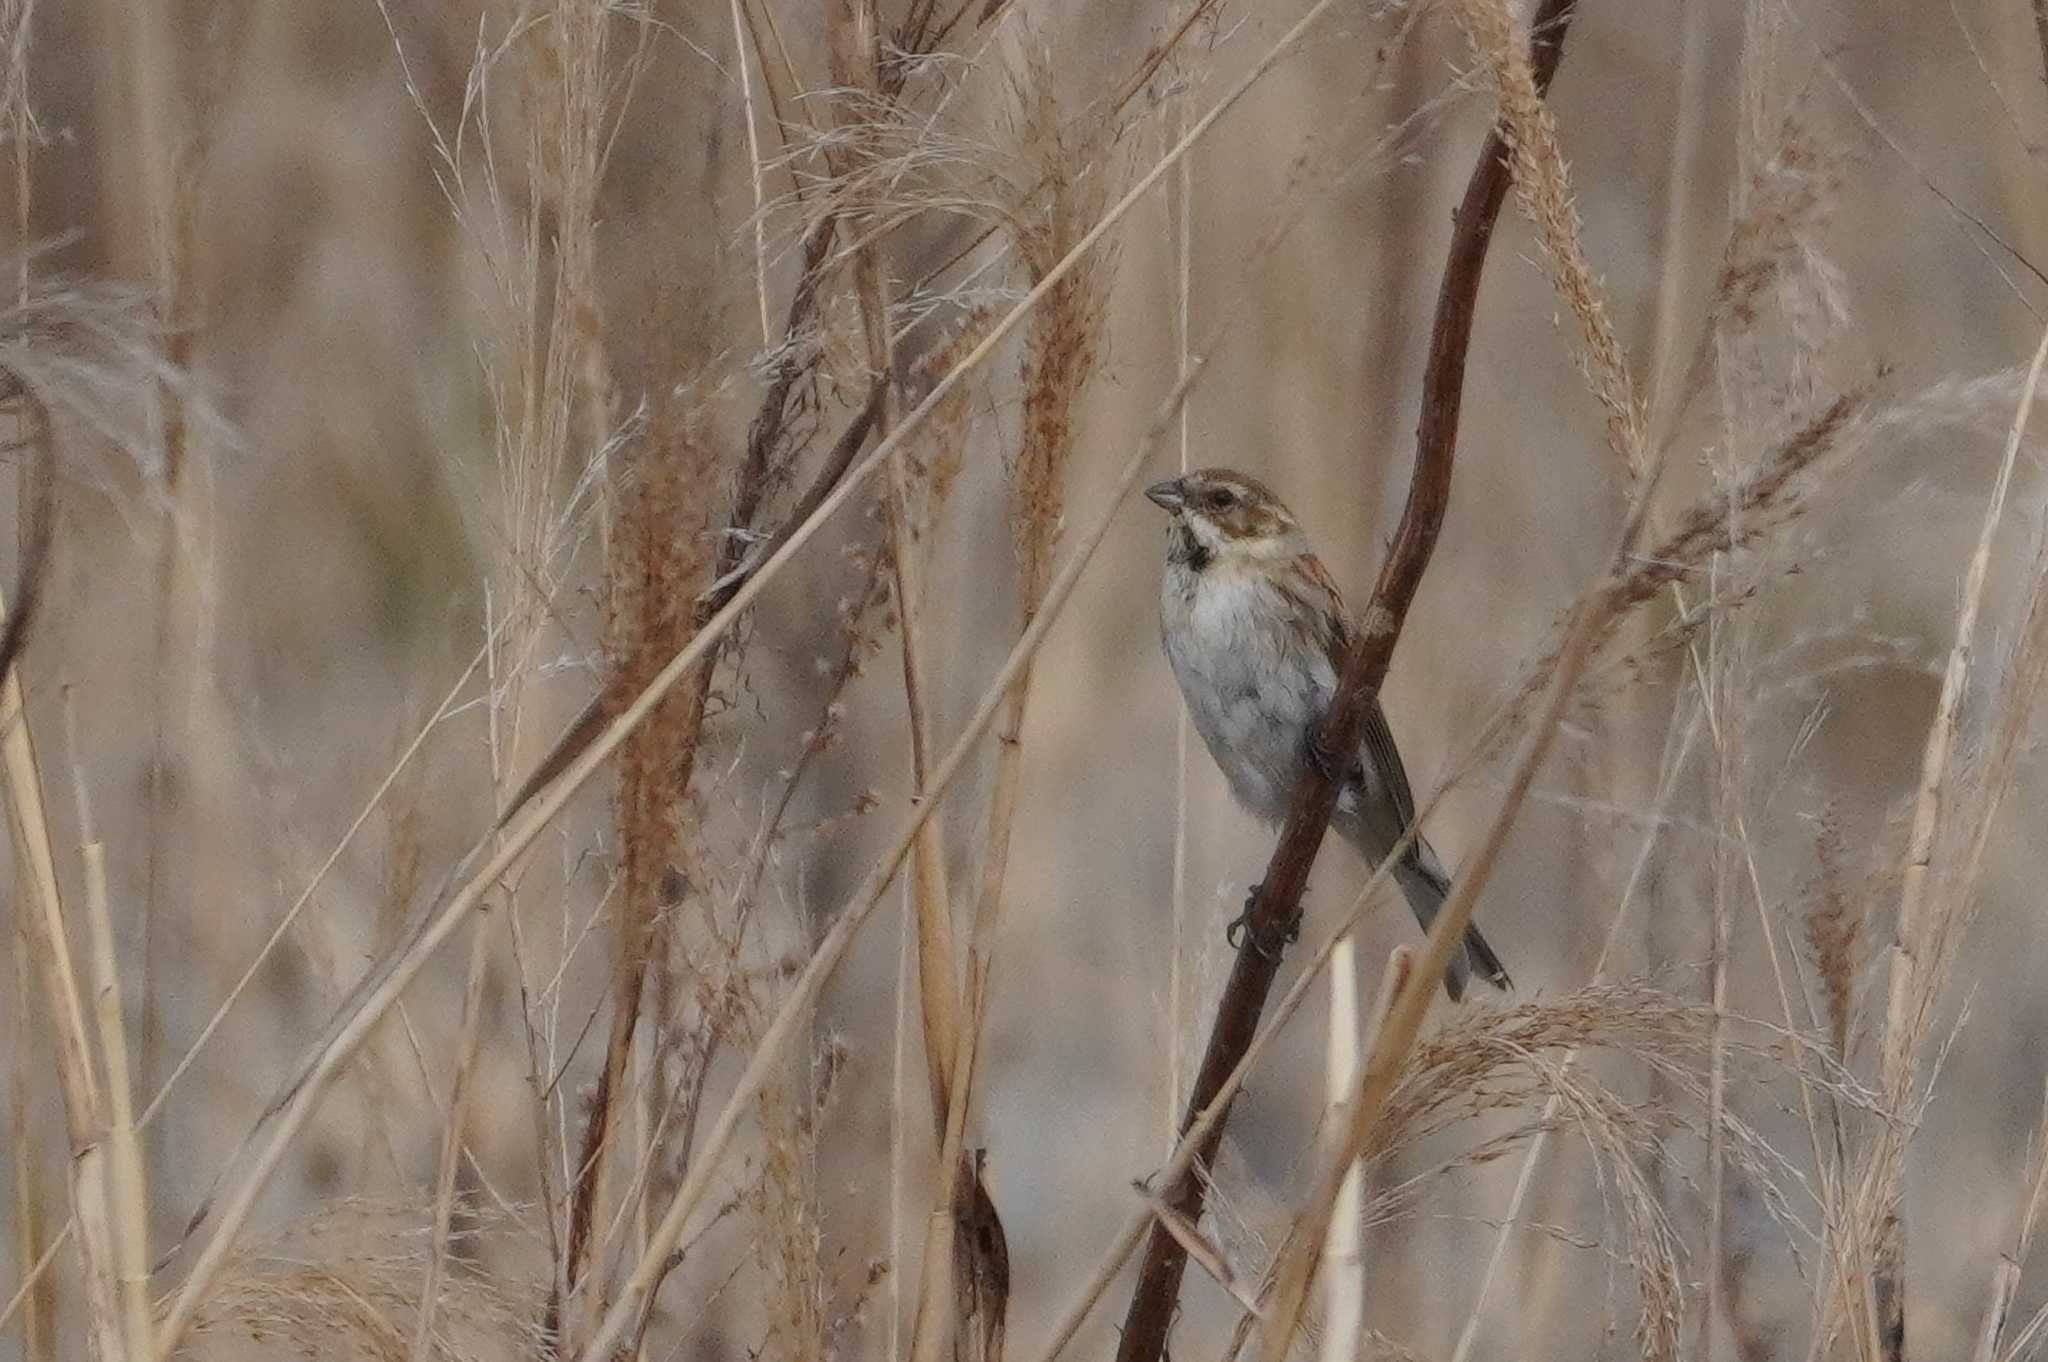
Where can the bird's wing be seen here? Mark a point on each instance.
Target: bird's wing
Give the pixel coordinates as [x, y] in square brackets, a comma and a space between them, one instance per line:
[1378, 741]
[1334, 629]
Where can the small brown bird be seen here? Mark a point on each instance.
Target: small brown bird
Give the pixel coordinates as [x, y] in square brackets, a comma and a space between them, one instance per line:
[1257, 632]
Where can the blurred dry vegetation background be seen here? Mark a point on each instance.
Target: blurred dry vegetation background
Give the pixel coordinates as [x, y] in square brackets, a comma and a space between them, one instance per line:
[418, 373]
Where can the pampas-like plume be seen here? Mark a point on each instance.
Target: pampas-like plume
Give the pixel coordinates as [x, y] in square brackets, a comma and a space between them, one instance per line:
[342, 1283]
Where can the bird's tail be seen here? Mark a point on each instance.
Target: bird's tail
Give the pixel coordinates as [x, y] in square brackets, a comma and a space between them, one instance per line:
[1426, 884]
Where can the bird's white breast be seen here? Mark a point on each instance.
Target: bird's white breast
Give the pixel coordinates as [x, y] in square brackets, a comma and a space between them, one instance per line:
[1251, 683]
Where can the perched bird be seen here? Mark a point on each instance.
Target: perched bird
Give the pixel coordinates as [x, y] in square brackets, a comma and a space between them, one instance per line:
[1257, 633]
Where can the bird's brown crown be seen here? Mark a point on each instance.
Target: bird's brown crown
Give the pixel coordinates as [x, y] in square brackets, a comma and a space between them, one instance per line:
[1236, 505]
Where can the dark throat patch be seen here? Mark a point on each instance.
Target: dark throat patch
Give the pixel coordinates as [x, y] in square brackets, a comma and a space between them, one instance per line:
[1182, 547]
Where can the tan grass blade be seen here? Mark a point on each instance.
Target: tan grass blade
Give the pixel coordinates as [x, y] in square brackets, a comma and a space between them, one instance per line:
[1904, 1004]
[739, 58]
[938, 984]
[127, 1189]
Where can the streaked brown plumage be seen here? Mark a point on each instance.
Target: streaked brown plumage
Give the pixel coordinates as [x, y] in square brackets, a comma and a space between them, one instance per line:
[1256, 632]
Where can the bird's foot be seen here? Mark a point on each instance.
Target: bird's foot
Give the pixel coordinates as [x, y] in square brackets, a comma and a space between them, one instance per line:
[1267, 943]
[1319, 757]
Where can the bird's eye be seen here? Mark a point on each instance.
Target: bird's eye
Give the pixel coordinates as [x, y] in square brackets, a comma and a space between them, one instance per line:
[1222, 499]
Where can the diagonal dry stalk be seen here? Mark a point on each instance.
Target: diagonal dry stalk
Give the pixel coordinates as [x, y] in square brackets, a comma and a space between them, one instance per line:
[1202, 1252]
[1275, 904]
[755, 172]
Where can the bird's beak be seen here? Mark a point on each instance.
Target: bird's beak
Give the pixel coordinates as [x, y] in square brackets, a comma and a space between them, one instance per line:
[1168, 495]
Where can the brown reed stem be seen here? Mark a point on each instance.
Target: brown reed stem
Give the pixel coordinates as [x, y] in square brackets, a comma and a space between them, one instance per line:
[1276, 903]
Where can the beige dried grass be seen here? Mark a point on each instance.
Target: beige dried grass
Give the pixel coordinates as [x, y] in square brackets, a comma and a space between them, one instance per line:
[342, 1282]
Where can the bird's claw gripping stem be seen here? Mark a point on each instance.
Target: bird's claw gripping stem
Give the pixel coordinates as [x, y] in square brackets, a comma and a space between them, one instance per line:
[1318, 756]
[1267, 944]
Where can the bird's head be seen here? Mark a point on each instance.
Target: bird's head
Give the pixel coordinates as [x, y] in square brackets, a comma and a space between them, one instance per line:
[1219, 513]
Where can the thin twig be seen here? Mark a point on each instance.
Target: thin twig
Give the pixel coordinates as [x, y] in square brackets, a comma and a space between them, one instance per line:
[739, 56]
